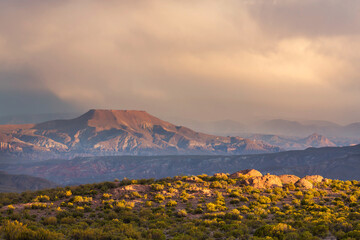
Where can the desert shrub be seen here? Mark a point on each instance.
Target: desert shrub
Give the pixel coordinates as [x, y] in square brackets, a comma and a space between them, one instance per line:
[67, 220]
[38, 205]
[68, 193]
[171, 203]
[80, 199]
[233, 215]
[86, 234]
[235, 193]
[122, 204]
[19, 231]
[106, 195]
[159, 198]
[320, 230]
[155, 234]
[42, 198]
[264, 200]
[234, 201]
[277, 231]
[182, 213]
[136, 194]
[243, 199]
[50, 221]
[184, 196]
[157, 187]
[216, 184]
[148, 203]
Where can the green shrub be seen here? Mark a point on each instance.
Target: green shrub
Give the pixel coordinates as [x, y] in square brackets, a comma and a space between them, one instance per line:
[157, 187]
[171, 203]
[50, 221]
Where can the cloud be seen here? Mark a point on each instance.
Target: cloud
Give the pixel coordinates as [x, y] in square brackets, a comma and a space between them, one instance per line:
[22, 93]
[203, 59]
[312, 18]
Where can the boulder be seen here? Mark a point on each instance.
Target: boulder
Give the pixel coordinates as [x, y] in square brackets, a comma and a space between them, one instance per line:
[314, 178]
[289, 179]
[303, 183]
[267, 181]
[326, 180]
[193, 179]
[247, 173]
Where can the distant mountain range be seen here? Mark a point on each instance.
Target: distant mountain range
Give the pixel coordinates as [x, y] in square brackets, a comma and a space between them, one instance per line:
[117, 132]
[295, 128]
[296, 143]
[331, 162]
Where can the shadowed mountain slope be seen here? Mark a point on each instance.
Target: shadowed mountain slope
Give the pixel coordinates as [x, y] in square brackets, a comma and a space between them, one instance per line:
[331, 162]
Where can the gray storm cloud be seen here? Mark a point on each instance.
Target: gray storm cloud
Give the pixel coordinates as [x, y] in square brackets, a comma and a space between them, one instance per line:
[194, 59]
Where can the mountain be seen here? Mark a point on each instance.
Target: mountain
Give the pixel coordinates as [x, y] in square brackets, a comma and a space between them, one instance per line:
[296, 143]
[316, 140]
[331, 162]
[117, 132]
[304, 128]
[20, 183]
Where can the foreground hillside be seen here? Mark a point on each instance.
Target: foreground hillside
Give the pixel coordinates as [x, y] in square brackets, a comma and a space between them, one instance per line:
[117, 132]
[336, 163]
[244, 205]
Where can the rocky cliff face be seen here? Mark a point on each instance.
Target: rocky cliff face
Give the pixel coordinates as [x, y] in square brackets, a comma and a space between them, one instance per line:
[115, 132]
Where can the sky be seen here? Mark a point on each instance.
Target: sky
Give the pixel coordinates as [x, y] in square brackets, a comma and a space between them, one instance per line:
[202, 59]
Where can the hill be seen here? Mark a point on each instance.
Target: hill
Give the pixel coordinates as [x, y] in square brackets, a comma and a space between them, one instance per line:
[20, 183]
[243, 205]
[117, 132]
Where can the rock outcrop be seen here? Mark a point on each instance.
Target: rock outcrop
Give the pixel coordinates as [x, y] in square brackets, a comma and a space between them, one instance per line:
[303, 183]
[289, 179]
[314, 178]
[193, 179]
[247, 173]
[267, 181]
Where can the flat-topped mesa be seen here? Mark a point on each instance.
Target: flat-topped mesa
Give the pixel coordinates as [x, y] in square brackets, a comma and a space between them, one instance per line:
[135, 119]
[102, 119]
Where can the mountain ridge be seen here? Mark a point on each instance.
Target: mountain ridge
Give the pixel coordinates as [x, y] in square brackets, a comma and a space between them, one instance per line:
[112, 132]
[331, 162]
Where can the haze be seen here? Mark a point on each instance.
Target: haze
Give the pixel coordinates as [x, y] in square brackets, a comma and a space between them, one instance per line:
[204, 60]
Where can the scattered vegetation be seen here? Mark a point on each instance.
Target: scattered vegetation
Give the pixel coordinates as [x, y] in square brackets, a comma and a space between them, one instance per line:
[183, 208]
